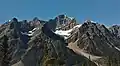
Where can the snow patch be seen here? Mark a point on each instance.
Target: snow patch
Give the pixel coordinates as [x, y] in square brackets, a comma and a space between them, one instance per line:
[66, 33]
[25, 33]
[61, 32]
[9, 20]
[77, 26]
[34, 29]
[90, 21]
[30, 33]
[93, 22]
[71, 18]
[117, 48]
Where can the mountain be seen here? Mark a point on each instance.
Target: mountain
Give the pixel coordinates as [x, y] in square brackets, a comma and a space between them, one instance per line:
[58, 42]
[95, 39]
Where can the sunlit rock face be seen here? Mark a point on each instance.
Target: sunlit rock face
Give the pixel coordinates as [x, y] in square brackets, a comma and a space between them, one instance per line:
[64, 22]
[95, 39]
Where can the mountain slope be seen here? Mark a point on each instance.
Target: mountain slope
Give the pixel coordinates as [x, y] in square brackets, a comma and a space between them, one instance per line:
[92, 40]
[95, 39]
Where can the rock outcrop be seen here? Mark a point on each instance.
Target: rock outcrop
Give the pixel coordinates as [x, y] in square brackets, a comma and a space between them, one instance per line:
[115, 29]
[95, 39]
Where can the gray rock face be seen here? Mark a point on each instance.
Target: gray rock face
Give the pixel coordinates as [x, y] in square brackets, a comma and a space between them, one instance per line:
[115, 29]
[95, 39]
[62, 22]
[65, 23]
[45, 50]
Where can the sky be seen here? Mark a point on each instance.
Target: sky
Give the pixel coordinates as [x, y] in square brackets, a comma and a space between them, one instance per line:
[102, 11]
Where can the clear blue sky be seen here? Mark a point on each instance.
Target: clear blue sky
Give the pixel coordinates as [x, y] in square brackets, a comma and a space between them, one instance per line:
[103, 11]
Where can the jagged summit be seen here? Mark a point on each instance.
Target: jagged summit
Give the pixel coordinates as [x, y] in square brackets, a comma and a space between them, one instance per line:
[65, 22]
[63, 19]
[14, 20]
[35, 19]
[115, 29]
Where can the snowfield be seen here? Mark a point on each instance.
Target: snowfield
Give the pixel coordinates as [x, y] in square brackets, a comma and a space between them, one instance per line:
[66, 33]
[30, 33]
[61, 32]
[117, 48]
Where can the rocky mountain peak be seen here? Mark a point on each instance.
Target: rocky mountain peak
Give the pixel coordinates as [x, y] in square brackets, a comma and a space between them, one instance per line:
[92, 37]
[14, 20]
[35, 22]
[88, 21]
[65, 22]
[115, 29]
[35, 19]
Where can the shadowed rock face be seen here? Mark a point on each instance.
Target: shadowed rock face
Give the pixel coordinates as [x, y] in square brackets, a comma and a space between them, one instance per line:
[50, 33]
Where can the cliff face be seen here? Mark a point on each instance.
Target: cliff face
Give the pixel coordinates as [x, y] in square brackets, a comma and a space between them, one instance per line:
[56, 42]
[115, 29]
[95, 39]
